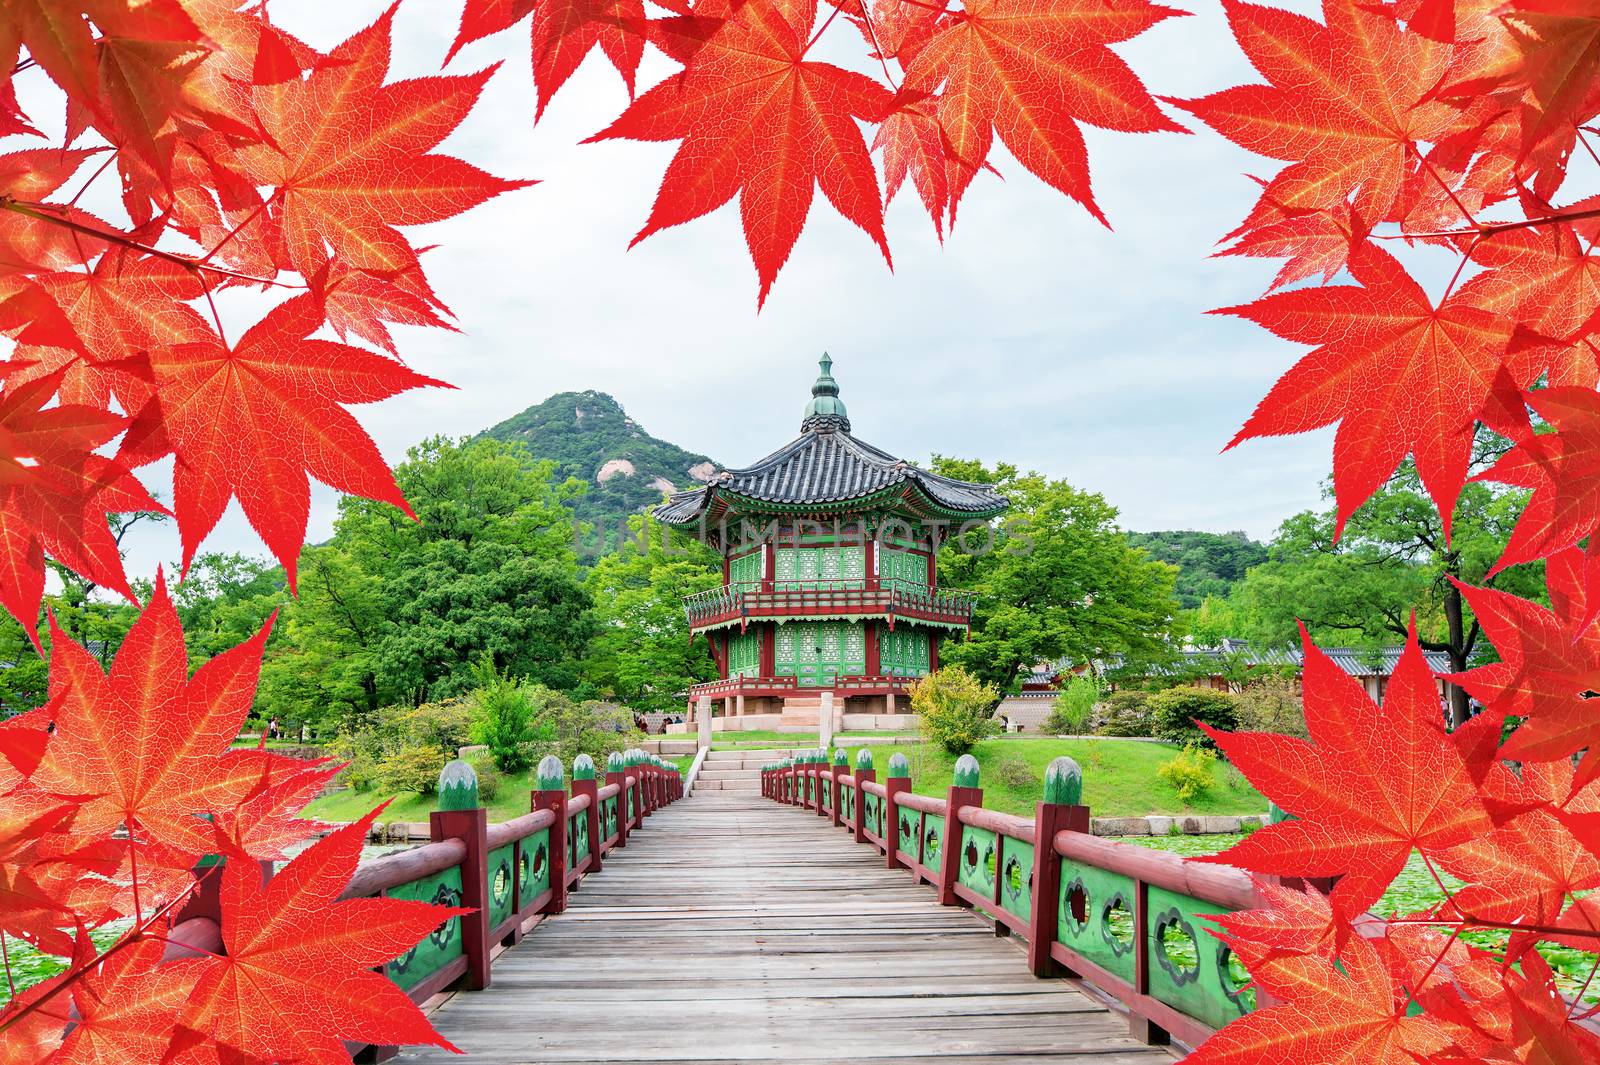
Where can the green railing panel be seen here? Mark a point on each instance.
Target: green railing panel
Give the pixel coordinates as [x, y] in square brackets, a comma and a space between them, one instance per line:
[608, 817]
[1104, 902]
[910, 832]
[1189, 968]
[439, 947]
[847, 804]
[980, 859]
[932, 839]
[535, 877]
[874, 811]
[630, 806]
[577, 838]
[1016, 876]
[827, 795]
[501, 881]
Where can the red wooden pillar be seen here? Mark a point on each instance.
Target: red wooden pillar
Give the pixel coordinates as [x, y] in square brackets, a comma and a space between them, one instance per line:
[899, 781]
[551, 795]
[964, 791]
[1141, 1027]
[1059, 811]
[616, 773]
[583, 783]
[460, 817]
[864, 775]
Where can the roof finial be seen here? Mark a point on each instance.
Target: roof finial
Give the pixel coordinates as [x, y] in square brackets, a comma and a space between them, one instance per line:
[825, 413]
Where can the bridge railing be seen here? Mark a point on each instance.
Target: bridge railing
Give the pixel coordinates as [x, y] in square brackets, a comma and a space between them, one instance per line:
[1124, 918]
[510, 874]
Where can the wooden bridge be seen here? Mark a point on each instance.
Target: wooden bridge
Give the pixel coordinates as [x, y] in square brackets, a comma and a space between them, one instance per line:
[820, 916]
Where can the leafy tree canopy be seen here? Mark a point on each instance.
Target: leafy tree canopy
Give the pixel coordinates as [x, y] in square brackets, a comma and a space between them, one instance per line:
[1209, 564]
[1059, 580]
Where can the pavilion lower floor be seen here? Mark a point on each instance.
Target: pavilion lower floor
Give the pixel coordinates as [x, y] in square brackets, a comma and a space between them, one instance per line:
[734, 709]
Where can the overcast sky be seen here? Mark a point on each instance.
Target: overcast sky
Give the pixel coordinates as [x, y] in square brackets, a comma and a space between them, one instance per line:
[1033, 336]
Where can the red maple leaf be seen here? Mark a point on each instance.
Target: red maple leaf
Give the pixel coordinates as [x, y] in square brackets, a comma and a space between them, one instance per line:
[1351, 1015]
[55, 493]
[913, 145]
[351, 157]
[1562, 468]
[1397, 373]
[1544, 670]
[251, 421]
[127, 1007]
[758, 119]
[1545, 280]
[1346, 104]
[1373, 784]
[146, 744]
[1032, 72]
[297, 977]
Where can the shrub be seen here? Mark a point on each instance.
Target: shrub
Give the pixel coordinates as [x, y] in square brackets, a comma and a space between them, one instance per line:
[954, 708]
[1013, 772]
[414, 768]
[567, 729]
[1190, 772]
[390, 749]
[1074, 707]
[502, 719]
[1126, 713]
[1175, 711]
[489, 779]
[1272, 704]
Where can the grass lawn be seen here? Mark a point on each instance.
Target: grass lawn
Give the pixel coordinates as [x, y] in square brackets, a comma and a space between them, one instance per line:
[1119, 776]
[511, 800]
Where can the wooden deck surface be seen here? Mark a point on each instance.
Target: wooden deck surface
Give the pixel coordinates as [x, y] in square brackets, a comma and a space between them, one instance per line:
[732, 929]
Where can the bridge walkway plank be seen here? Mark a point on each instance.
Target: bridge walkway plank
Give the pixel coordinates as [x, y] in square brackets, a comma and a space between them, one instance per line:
[734, 930]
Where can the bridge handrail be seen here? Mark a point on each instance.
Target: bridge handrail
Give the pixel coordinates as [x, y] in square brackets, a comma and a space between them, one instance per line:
[1091, 908]
[510, 875]
[503, 832]
[404, 867]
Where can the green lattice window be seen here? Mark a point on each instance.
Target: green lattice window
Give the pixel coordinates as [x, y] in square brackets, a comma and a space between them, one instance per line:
[903, 652]
[746, 569]
[744, 655]
[819, 567]
[815, 652]
[903, 566]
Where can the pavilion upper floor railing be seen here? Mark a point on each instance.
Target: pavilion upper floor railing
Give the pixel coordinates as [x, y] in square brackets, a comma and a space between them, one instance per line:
[511, 874]
[886, 597]
[1124, 918]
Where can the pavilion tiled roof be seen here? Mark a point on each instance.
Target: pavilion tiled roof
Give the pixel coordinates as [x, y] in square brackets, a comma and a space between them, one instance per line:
[826, 464]
[1356, 661]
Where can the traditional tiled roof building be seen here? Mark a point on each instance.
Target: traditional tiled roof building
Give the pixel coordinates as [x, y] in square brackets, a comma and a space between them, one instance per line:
[829, 576]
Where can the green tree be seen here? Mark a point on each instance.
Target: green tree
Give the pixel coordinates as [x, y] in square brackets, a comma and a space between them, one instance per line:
[642, 654]
[1392, 561]
[395, 610]
[1209, 564]
[224, 600]
[1057, 580]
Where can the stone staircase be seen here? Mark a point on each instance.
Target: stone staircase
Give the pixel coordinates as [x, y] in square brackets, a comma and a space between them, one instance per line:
[738, 770]
[802, 711]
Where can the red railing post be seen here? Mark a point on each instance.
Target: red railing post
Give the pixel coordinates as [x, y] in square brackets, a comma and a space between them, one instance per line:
[1059, 811]
[460, 817]
[864, 775]
[616, 773]
[583, 783]
[899, 780]
[551, 795]
[964, 791]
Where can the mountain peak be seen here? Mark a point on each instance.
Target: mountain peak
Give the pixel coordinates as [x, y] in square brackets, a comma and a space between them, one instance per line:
[589, 436]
